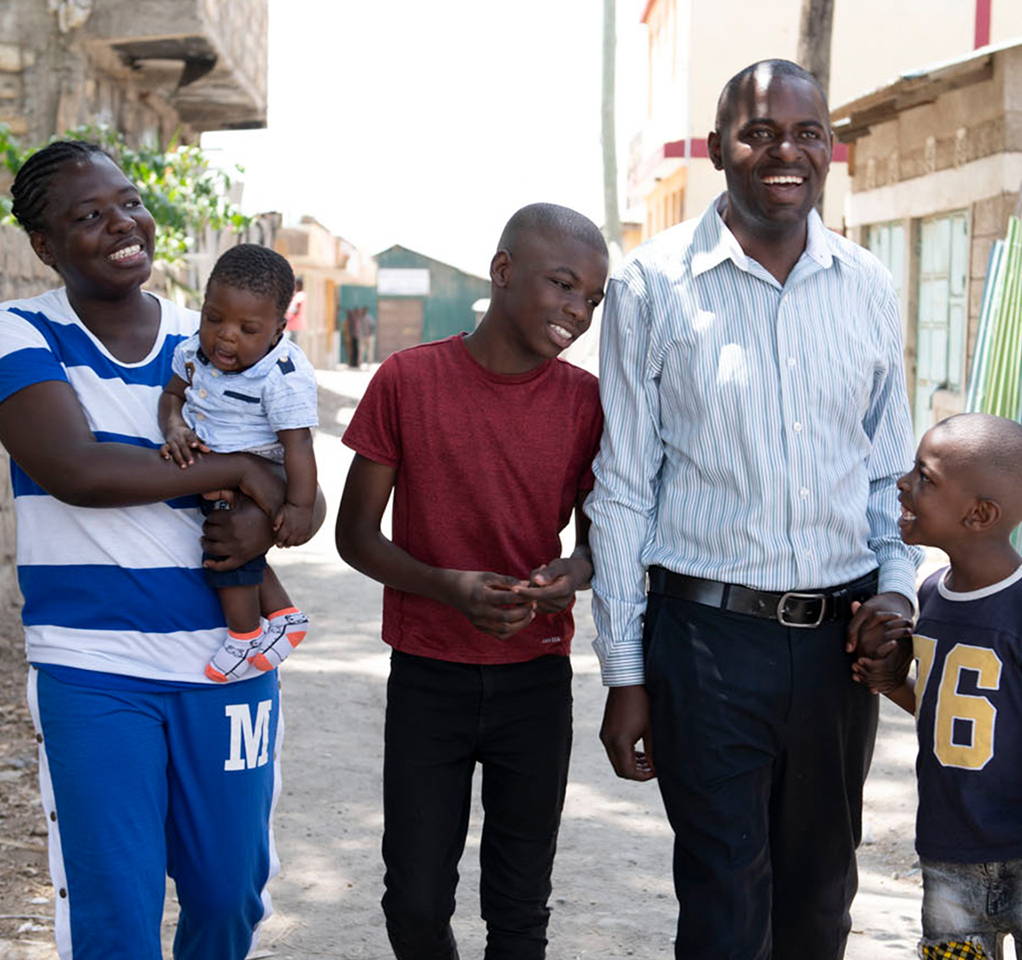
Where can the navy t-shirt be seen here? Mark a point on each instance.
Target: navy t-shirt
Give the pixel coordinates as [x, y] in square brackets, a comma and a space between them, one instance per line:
[969, 721]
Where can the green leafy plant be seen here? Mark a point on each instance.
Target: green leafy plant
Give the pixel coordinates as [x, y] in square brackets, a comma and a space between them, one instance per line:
[181, 189]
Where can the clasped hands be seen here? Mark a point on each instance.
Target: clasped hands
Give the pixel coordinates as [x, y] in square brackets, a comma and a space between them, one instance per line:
[502, 605]
[880, 635]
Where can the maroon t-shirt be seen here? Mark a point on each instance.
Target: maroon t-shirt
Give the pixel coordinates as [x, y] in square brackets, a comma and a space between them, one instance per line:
[488, 471]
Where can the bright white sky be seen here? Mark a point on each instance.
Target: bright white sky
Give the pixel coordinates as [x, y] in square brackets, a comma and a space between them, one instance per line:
[429, 122]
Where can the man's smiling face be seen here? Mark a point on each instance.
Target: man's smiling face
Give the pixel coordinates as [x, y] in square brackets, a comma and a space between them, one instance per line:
[774, 147]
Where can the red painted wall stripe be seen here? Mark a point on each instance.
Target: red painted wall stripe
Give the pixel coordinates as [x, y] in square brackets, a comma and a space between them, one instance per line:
[698, 150]
[982, 23]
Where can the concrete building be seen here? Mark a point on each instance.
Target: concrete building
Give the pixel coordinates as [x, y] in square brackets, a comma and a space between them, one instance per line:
[694, 48]
[325, 263]
[147, 68]
[151, 69]
[420, 299]
[935, 158]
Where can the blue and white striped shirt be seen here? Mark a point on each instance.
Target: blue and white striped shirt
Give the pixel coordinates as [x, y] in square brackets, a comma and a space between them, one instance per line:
[754, 431]
[118, 589]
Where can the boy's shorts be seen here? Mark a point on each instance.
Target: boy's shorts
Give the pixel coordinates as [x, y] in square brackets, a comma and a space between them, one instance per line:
[968, 908]
[249, 574]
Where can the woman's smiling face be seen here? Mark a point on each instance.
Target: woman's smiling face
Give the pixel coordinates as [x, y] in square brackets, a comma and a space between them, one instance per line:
[98, 234]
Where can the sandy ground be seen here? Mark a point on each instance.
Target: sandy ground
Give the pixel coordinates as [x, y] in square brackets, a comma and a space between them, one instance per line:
[612, 891]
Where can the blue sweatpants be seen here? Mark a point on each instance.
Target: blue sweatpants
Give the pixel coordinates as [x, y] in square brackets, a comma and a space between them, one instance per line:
[139, 785]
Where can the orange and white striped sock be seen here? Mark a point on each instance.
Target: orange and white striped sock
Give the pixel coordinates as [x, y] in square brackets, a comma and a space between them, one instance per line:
[231, 660]
[286, 629]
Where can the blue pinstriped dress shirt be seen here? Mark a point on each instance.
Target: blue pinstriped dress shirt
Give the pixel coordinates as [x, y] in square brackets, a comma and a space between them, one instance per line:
[754, 431]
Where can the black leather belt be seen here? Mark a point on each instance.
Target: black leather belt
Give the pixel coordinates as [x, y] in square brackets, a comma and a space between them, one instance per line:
[794, 608]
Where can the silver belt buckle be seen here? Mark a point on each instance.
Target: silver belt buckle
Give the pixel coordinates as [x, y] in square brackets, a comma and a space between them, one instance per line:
[794, 595]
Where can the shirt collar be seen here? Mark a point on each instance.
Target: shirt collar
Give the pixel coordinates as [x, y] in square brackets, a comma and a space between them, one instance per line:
[713, 242]
[279, 351]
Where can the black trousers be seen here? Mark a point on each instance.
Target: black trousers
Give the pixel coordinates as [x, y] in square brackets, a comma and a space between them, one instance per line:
[761, 743]
[442, 718]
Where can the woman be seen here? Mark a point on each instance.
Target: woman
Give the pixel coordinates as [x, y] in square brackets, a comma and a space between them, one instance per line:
[146, 768]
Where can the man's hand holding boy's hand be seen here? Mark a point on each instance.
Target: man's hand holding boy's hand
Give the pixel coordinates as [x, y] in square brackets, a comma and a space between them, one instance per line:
[292, 525]
[881, 636]
[180, 445]
[552, 587]
[883, 673]
[488, 600]
[865, 629]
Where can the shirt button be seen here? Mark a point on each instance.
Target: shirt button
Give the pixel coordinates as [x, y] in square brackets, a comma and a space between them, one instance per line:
[199, 416]
[202, 394]
[804, 492]
[791, 361]
[797, 427]
[216, 373]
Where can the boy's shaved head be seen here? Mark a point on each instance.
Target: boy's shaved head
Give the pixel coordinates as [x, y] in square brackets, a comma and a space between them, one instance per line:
[550, 220]
[988, 451]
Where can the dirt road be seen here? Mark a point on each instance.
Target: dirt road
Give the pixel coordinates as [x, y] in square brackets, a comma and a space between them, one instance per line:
[612, 890]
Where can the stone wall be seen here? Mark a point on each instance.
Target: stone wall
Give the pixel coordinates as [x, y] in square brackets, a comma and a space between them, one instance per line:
[122, 64]
[958, 127]
[22, 273]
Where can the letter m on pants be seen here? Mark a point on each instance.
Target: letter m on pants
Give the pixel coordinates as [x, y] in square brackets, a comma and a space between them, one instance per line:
[252, 739]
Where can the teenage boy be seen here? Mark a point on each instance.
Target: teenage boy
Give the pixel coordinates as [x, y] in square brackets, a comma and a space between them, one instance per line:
[963, 496]
[486, 440]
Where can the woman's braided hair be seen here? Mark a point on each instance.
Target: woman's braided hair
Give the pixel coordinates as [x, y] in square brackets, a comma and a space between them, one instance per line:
[30, 189]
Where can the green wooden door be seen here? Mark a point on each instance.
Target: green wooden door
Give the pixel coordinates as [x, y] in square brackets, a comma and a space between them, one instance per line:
[941, 316]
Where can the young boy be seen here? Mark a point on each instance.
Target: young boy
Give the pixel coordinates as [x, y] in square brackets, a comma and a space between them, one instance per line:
[964, 496]
[487, 441]
[239, 385]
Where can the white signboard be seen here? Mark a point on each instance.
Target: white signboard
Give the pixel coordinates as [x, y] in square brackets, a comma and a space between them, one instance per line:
[402, 282]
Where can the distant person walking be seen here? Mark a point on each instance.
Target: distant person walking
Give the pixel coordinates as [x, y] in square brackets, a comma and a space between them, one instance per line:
[351, 322]
[296, 310]
[366, 327]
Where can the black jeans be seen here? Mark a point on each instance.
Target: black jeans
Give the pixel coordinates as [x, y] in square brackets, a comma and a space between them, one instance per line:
[762, 743]
[442, 718]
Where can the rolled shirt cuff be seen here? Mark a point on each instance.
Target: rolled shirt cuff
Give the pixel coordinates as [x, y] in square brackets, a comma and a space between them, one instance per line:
[621, 663]
[898, 575]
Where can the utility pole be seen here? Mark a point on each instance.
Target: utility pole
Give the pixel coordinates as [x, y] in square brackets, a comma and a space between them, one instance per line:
[608, 136]
[814, 47]
[814, 40]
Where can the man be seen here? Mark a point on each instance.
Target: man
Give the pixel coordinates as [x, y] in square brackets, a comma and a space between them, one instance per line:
[366, 335]
[757, 420]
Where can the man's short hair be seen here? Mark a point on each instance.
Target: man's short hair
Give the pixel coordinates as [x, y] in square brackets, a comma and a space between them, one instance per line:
[771, 70]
